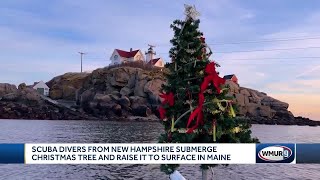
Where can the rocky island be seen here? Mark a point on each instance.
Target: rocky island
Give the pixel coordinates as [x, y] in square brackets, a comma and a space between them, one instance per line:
[125, 93]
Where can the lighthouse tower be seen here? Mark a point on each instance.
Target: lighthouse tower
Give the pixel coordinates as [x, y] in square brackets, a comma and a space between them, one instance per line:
[150, 53]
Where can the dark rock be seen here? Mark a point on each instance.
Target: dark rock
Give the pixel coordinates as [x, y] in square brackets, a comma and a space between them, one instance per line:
[131, 82]
[103, 98]
[120, 78]
[124, 102]
[11, 97]
[107, 105]
[68, 92]
[87, 96]
[153, 86]
[116, 93]
[6, 88]
[141, 110]
[114, 97]
[22, 86]
[137, 101]
[117, 110]
[139, 88]
[109, 89]
[274, 103]
[93, 104]
[266, 111]
[125, 91]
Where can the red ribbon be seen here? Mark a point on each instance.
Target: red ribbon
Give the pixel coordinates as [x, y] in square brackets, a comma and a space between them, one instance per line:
[216, 81]
[168, 99]
[162, 113]
[197, 112]
[212, 77]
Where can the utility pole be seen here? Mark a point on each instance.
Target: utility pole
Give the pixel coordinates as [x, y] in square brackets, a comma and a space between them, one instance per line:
[81, 54]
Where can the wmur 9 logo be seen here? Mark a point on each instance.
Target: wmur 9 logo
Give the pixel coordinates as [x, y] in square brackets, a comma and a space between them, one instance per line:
[275, 153]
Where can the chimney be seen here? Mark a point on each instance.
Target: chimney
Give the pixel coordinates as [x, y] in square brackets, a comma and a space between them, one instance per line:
[130, 49]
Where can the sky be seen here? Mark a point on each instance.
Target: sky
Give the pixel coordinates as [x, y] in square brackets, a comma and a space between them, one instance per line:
[272, 46]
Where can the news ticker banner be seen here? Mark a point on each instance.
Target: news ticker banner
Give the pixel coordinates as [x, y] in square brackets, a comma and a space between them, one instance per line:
[159, 153]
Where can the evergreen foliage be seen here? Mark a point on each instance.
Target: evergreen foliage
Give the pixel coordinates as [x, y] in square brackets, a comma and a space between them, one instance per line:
[190, 57]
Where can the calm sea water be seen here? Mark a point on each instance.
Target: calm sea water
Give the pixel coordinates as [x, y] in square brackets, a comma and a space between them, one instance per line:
[29, 131]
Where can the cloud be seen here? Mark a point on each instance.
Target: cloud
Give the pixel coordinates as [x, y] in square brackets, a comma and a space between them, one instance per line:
[247, 16]
[249, 65]
[260, 74]
[309, 71]
[294, 87]
[42, 38]
[45, 38]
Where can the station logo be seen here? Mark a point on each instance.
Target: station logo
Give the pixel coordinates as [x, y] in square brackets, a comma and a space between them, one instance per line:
[275, 153]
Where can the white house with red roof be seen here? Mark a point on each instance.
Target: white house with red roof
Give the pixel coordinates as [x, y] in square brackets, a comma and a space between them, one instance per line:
[157, 62]
[120, 56]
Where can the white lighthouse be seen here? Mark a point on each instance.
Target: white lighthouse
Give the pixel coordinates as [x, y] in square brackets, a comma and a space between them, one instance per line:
[150, 53]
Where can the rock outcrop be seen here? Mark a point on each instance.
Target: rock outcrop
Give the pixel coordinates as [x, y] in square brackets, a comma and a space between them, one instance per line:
[26, 103]
[6, 88]
[259, 107]
[66, 85]
[127, 93]
[122, 91]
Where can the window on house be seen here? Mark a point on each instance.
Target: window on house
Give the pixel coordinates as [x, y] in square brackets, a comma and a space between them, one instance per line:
[138, 57]
[115, 57]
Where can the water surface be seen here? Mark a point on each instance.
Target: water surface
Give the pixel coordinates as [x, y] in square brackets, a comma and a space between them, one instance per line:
[37, 131]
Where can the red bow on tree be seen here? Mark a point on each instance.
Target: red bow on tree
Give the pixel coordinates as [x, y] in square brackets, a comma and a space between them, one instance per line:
[217, 81]
[212, 77]
[162, 113]
[168, 98]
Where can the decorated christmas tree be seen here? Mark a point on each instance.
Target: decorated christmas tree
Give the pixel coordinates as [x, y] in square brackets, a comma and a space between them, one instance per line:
[195, 106]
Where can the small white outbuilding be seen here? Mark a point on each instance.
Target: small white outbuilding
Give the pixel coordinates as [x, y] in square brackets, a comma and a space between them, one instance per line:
[41, 87]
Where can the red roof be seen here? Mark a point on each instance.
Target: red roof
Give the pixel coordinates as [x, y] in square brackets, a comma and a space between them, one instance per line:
[127, 54]
[153, 61]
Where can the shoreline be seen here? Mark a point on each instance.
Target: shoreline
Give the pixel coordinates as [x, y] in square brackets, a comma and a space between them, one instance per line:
[126, 94]
[152, 120]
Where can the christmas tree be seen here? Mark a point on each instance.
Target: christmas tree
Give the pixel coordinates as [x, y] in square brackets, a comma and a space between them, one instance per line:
[195, 106]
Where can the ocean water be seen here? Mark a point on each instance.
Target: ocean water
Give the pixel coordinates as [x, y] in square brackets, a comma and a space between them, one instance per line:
[37, 131]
